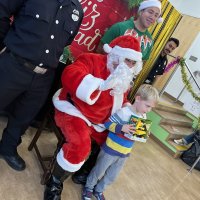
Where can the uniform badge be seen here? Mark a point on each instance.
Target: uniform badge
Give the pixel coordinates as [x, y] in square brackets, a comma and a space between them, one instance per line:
[75, 15]
[76, 12]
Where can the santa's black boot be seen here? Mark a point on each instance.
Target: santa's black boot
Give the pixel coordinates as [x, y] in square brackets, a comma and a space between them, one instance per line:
[54, 186]
[80, 177]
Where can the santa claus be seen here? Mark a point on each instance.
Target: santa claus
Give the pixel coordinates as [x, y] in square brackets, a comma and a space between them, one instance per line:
[94, 87]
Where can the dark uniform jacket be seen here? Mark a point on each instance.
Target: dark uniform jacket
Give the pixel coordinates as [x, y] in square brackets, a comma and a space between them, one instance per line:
[41, 28]
[158, 69]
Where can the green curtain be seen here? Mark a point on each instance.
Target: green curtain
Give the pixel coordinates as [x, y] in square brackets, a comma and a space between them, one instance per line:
[161, 33]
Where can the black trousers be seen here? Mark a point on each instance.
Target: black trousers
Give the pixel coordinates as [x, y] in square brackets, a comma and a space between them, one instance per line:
[55, 86]
[27, 92]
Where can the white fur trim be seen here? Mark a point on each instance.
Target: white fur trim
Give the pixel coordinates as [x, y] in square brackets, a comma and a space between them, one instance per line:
[107, 48]
[88, 85]
[148, 4]
[127, 53]
[136, 69]
[118, 101]
[66, 165]
[160, 20]
[67, 107]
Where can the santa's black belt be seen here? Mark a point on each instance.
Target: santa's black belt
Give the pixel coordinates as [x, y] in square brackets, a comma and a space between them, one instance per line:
[29, 65]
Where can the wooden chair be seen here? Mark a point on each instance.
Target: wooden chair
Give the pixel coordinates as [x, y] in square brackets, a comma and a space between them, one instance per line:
[47, 162]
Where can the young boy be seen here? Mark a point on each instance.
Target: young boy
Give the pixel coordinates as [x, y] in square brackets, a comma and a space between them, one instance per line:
[117, 147]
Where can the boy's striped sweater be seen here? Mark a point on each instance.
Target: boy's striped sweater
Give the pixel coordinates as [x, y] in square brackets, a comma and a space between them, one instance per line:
[116, 144]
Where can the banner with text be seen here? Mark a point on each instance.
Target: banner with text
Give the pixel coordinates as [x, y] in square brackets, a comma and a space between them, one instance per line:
[98, 16]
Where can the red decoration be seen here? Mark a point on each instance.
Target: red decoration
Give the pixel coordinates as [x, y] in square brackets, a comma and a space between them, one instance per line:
[172, 64]
[98, 16]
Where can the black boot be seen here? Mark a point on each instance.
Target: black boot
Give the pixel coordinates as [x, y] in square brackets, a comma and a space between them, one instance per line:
[54, 186]
[80, 177]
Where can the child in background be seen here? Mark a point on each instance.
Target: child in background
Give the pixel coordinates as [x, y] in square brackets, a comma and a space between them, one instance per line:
[188, 139]
[117, 147]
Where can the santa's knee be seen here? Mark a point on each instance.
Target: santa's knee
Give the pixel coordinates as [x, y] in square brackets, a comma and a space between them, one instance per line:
[72, 156]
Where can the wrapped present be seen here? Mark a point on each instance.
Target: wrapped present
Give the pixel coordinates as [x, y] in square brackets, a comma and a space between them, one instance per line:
[142, 129]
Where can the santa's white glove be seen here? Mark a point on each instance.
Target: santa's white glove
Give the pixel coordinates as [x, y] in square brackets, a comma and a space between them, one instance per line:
[117, 78]
[109, 83]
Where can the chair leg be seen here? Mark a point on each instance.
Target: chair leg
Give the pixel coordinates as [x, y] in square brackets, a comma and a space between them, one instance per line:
[37, 135]
[47, 168]
[48, 171]
[194, 164]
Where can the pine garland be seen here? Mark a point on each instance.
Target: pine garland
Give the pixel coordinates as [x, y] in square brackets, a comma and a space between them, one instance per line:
[189, 86]
[133, 3]
[198, 123]
[186, 81]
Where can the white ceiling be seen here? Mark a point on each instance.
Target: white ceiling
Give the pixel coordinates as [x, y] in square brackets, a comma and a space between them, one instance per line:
[187, 7]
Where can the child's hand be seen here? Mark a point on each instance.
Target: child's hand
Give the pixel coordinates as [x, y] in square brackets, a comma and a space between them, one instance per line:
[128, 128]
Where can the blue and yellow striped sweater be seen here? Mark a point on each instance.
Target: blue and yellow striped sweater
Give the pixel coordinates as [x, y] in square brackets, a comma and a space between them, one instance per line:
[116, 144]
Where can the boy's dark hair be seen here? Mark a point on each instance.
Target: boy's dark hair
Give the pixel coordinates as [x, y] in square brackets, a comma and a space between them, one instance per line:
[176, 41]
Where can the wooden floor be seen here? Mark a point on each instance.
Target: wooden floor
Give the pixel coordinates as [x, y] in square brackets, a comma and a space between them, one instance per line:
[150, 174]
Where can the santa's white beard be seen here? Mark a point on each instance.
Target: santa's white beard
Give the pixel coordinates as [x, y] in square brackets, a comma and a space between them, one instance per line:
[112, 58]
[122, 77]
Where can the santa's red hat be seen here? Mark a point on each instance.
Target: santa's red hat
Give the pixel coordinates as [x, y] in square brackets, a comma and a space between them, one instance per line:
[125, 46]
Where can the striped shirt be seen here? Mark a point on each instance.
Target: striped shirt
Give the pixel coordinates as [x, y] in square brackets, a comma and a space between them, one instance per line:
[116, 144]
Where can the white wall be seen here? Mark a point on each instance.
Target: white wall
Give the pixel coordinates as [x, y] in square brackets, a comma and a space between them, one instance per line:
[187, 7]
[176, 86]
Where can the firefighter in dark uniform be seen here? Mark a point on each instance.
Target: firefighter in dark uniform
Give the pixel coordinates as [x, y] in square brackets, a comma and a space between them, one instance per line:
[161, 62]
[34, 42]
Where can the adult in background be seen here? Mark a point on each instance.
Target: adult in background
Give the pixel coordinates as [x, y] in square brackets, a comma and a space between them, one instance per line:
[94, 86]
[148, 13]
[34, 42]
[161, 62]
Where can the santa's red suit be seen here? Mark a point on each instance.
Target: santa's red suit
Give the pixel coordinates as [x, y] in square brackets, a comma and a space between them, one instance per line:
[81, 117]
[94, 87]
